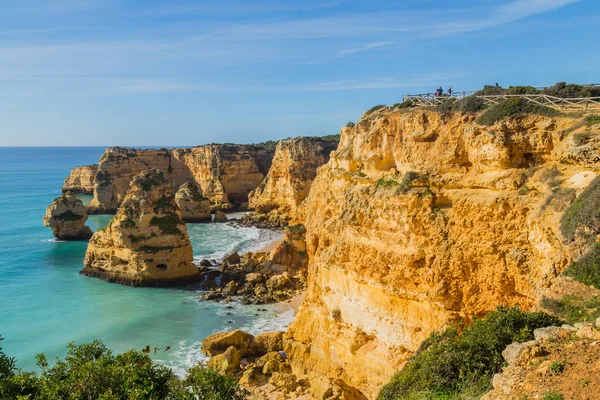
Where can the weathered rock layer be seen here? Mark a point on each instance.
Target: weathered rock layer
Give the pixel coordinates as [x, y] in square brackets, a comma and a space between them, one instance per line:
[225, 173]
[288, 182]
[422, 219]
[66, 216]
[193, 205]
[146, 243]
[81, 179]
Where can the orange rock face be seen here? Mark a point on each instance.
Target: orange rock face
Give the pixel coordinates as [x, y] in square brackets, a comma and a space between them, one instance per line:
[81, 179]
[288, 182]
[420, 220]
[146, 243]
[225, 173]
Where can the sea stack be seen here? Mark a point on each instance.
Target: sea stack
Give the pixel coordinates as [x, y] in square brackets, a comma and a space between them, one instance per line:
[66, 216]
[193, 205]
[146, 243]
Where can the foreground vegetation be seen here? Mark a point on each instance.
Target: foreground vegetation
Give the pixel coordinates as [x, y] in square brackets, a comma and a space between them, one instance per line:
[454, 365]
[91, 371]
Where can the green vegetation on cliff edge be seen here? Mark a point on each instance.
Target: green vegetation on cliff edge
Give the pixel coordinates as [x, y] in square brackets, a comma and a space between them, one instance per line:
[454, 365]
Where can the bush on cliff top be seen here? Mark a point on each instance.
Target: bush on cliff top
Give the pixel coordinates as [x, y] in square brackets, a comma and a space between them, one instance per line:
[513, 106]
[91, 371]
[451, 365]
[583, 215]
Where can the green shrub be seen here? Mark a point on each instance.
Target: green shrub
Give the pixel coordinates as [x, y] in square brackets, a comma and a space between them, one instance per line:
[447, 106]
[167, 224]
[553, 396]
[470, 104]
[587, 269]
[387, 183]
[91, 371]
[513, 106]
[489, 90]
[573, 309]
[523, 190]
[557, 367]
[404, 104]
[562, 89]
[375, 108]
[69, 216]
[581, 138]
[450, 364]
[592, 120]
[522, 90]
[350, 124]
[584, 212]
[332, 138]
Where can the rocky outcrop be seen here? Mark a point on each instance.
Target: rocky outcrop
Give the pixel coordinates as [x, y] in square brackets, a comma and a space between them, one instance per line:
[422, 219]
[287, 184]
[558, 361]
[225, 173]
[81, 179]
[146, 243]
[261, 277]
[193, 205]
[66, 216]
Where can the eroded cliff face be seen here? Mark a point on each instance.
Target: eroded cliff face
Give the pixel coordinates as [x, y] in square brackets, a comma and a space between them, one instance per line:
[146, 243]
[81, 179]
[420, 220]
[225, 173]
[193, 205]
[288, 182]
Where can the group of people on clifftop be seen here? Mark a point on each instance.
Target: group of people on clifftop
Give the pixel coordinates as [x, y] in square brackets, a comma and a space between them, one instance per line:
[439, 91]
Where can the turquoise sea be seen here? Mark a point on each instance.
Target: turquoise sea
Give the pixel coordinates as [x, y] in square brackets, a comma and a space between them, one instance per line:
[45, 302]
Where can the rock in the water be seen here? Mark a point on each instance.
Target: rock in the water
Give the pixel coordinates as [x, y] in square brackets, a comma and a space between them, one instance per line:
[230, 289]
[219, 342]
[220, 216]
[66, 216]
[193, 205]
[232, 258]
[146, 243]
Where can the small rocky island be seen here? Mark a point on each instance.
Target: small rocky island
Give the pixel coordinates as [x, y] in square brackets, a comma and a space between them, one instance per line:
[66, 216]
[146, 243]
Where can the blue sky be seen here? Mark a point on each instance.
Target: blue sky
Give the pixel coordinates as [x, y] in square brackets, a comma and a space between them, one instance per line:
[148, 72]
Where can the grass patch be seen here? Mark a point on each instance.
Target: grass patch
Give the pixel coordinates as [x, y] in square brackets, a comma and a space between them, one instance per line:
[387, 183]
[128, 223]
[553, 396]
[164, 203]
[592, 120]
[557, 367]
[404, 104]
[150, 179]
[69, 216]
[573, 309]
[167, 224]
[511, 107]
[581, 138]
[523, 190]
[375, 108]
[451, 365]
[584, 213]
[447, 106]
[587, 269]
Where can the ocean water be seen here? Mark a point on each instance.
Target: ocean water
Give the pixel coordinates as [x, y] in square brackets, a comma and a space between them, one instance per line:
[45, 303]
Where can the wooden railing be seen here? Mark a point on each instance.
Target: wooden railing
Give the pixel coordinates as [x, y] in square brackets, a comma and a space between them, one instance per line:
[579, 104]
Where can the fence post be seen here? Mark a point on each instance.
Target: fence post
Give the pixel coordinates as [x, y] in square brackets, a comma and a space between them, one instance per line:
[586, 103]
[562, 104]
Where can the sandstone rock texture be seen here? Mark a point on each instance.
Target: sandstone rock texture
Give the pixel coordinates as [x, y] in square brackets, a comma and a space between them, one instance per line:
[193, 205]
[422, 219]
[288, 182]
[225, 173]
[81, 179]
[66, 216]
[146, 243]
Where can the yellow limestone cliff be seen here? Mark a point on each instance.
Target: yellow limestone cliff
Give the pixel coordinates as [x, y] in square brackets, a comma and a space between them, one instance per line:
[288, 182]
[66, 215]
[81, 179]
[225, 173]
[146, 243]
[422, 219]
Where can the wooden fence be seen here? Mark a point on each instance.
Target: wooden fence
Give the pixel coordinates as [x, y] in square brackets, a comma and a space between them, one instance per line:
[578, 104]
